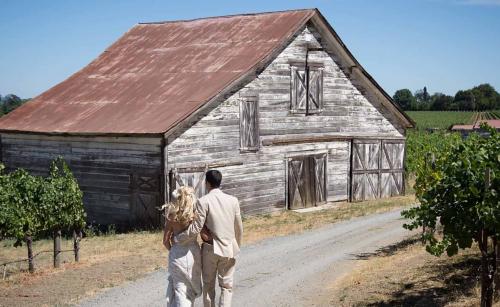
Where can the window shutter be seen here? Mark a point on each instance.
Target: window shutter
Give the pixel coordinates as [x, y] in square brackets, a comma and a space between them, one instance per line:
[249, 123]
[298, 90]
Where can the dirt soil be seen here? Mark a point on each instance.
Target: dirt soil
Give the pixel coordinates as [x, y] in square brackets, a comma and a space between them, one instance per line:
[110, 260]
[406, 275]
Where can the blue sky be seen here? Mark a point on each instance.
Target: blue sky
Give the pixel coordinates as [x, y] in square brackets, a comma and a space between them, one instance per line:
[445, 45]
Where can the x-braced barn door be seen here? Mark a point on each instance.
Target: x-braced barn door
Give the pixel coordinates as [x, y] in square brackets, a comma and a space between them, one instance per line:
[191, 178]
[377, 169]
[145, 188]
[306, 181]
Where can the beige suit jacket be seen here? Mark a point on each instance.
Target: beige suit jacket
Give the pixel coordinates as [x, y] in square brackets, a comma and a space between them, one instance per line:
[220, 212]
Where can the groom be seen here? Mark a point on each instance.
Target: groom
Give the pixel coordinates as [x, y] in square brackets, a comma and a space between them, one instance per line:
[219, 213]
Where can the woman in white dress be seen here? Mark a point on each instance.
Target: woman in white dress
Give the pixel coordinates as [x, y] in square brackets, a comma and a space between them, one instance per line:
[184, 260]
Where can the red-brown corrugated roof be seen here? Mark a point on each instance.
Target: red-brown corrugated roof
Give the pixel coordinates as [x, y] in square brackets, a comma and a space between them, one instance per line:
[494, 123]
[156, 75]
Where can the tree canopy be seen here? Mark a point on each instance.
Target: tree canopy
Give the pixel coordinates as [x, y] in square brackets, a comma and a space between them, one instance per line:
[479, 98]
[10, 102]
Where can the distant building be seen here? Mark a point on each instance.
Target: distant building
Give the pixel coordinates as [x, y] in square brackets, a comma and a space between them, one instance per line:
[465, 130]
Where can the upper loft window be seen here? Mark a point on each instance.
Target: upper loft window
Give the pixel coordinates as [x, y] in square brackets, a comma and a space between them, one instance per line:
[299, 90]
[249, 124]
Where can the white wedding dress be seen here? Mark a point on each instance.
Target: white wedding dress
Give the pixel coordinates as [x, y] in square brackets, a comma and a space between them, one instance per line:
[184, 268]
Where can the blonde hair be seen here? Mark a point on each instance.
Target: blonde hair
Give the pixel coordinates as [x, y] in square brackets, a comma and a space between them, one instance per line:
[182, 209]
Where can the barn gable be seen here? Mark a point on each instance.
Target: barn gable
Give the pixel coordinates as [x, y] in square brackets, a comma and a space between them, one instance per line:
[257, 177]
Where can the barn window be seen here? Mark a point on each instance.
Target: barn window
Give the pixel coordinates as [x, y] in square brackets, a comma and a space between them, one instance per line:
[299, 102]
[249, 124]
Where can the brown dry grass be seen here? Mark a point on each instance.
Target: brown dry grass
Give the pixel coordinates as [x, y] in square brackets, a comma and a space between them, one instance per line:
[406, 275]
[110, 260]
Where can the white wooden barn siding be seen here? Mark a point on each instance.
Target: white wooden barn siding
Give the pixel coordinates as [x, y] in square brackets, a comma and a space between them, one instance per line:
[103, 167]
[260, 182]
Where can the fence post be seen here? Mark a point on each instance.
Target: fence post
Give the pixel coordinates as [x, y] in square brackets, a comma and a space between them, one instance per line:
[57, 248]
[31, 262]
[77, 236]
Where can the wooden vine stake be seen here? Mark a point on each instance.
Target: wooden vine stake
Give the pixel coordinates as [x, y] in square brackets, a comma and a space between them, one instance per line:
[31, 262]
[488, 261]
[77, 237]
[57, 248]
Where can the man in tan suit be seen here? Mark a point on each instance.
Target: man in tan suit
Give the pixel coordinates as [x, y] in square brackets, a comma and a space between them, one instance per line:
[219, 220]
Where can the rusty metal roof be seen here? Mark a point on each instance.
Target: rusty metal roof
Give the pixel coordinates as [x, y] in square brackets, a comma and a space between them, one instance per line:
[493, 123]
[156, 75]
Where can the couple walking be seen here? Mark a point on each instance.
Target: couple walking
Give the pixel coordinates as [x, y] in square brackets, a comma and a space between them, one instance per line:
[216, 217]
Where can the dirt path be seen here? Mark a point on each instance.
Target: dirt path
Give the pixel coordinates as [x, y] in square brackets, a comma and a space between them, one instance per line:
[284, 271]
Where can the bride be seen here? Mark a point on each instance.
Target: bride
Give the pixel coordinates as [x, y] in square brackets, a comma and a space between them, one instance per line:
[184, 260]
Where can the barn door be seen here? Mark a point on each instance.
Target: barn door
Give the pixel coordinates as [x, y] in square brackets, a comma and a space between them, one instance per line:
[145, 192]
[365, 170]
[306, 181]
[377, 169]
[392, 169]
[195, 179]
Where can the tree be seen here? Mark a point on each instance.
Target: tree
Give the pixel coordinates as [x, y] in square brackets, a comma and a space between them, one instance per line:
[440, 102]
[458, 188]
[485, 96]
[404, 98]
[10, 102]
[422, 99]
[63, 204]
[465, 100]
[33, 206]
[20, 211]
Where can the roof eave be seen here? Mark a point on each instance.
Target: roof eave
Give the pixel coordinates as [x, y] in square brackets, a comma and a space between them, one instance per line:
[321, 20]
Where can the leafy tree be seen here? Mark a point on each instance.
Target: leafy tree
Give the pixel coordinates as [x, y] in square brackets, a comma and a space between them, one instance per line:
[62, 199]
[450, 186]
[422, 99]
[465, 100]
[63, 205]
[20, 213]
[441, 102]
[10, 102]
[422, 96]
[485, 96]
[404, 98]
[32, 206]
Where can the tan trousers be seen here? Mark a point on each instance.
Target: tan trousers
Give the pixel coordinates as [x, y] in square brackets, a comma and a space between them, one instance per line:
[216, 266]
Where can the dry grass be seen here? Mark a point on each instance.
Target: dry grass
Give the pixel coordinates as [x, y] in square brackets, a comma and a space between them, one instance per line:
[406, 275]
[110, 260]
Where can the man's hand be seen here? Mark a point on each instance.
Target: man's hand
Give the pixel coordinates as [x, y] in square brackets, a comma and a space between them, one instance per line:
[206, 235]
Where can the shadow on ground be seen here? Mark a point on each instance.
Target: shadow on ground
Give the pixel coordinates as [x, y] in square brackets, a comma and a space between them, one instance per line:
[438, 283]
[451, 279]
[388, 250]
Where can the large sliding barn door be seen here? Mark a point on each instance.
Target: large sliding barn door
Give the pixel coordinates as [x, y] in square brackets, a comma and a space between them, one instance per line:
[190, 178]
[392, 169]
[306, 181]
[377, 169]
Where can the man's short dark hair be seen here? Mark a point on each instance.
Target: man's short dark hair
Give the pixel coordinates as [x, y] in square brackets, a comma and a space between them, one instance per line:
[214, 177]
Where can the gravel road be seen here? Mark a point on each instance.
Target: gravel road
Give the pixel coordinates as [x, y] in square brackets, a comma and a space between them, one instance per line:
[284, 271]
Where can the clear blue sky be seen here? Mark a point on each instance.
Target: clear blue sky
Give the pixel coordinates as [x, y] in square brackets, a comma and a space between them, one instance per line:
[445, 45]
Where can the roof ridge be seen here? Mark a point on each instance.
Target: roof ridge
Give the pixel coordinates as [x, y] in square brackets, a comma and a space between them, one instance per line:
[226, 16]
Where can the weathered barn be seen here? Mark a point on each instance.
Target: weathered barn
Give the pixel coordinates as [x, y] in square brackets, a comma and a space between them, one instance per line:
[274, 100]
